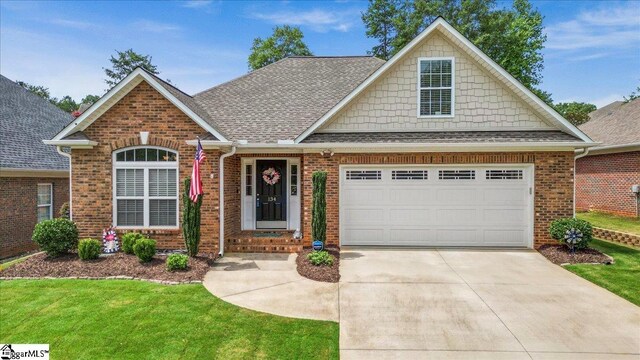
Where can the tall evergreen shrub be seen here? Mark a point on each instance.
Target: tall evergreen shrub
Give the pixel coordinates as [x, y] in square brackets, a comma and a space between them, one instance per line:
[319, 206]
[191, 220]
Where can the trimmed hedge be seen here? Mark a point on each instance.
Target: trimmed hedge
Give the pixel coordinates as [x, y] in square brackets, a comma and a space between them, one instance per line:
[145, 249]
[89, 249]
[319, 206]
[561, 227]
[191, 220]
[130, 239]
[177, 262]
[56, 236]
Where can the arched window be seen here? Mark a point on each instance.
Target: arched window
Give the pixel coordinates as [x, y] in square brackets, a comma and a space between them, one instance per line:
[145, 188]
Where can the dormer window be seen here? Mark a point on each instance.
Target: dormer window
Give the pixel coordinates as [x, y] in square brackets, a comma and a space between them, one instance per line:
[435, 87]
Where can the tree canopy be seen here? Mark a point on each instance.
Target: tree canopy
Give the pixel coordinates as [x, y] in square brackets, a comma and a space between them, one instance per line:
[285, 41]
[576, 112]
[66, 103]
[124, 62]
[512, 37]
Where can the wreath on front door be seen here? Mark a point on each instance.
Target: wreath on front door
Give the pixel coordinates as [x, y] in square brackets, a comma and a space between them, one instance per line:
[271, 176]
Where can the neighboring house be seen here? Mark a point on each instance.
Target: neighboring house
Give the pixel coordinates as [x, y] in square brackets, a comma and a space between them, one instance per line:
[438, 146]
[605, 176]
[34, 178]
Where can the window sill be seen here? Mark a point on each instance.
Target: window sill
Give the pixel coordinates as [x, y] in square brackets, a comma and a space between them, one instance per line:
[436, 116]
[150, 230]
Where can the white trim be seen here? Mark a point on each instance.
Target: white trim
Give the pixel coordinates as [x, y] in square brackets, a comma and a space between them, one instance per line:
[75, 144]
[453, 129]
[613, 149]
[49, 205]
[97, 109]
[440, 23]
[209, 144]
[13, 172]
[529, 174]
[145, 166]
[419, 88]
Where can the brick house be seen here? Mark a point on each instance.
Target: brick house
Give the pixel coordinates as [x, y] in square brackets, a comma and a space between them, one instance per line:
[34, 178]
[438, 146]
[605, 176]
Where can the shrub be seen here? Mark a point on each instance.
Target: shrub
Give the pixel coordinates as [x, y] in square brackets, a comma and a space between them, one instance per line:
[319, 258]
[177, 262]
[128, 240]
[89, 249]
[560, 228]
[319, 206]
[145, 249]
[56, 236]
[191, 220]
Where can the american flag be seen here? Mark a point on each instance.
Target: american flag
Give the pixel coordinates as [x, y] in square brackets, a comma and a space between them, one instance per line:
[196, 182]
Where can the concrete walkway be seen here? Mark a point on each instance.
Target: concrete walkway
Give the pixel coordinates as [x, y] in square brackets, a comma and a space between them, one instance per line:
[270, 283]
[463, 304]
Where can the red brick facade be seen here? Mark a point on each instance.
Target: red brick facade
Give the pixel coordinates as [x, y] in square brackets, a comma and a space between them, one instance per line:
[143, 109]
[18, 211]
[553, 183]
[603, 183]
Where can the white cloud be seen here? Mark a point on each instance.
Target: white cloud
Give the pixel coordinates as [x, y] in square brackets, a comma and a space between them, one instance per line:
[155, 27]
[194, 4]
[613, 27]
[74, 24]
[606, 100]
[317, 20]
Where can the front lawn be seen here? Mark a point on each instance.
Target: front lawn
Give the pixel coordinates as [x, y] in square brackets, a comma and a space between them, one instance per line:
[621, 278]
[121, 319]
[611, 222]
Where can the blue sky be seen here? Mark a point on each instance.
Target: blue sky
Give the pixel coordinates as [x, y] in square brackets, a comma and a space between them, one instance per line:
[592, 52]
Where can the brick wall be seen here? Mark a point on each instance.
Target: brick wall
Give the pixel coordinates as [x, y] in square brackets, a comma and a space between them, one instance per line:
[553, 183]
[143, 109]
[603, 183]
[18, 211]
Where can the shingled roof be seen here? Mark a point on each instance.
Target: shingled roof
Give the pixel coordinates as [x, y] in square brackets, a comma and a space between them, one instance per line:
[25, 120]
[281, 100]
[615, 124]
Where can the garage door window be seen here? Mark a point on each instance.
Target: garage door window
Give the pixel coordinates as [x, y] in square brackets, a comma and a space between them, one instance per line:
[409, 175]
[503, 175]
[364, 175]
[456, 174]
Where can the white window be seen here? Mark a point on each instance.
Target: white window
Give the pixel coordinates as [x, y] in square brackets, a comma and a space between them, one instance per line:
[503, 175]
[364, 175]
[409, 175]
[45, 202]
[146, 188]
[435, 87]
[456, 174]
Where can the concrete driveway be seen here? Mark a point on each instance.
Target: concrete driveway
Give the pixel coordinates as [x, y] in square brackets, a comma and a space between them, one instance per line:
[462, 304]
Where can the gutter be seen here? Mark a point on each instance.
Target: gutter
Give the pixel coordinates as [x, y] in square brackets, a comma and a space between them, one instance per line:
[221, 194]
[68, 156]
[584, 153]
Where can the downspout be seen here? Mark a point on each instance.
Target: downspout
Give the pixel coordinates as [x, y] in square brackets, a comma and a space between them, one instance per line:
[67, 155]
[584, 153]
[221, 194]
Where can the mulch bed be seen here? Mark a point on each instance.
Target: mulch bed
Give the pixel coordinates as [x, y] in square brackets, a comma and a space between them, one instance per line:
[560, 254]
[118, 264]
[319, 273]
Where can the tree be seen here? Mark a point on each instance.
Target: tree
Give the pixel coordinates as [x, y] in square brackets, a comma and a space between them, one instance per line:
[124, 63]
[319, 206]
[634, 95]
[513, 37]
[379, 21]
[191, 220]
[67, 104]
[90, 99]
[285, 41]
[41, 91]
[576, 112]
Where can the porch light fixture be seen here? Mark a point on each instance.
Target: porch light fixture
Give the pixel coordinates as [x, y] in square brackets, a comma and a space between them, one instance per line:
[326, 153]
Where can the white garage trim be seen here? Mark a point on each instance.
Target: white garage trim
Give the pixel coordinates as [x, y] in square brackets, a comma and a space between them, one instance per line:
[506, 222]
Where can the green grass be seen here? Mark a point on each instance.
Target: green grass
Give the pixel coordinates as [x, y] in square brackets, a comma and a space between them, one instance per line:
[621, 278]
[6, 264]
[611, 222]
[120, 319]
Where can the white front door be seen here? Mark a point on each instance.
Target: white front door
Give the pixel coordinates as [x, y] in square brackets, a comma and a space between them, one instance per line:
[487, 205]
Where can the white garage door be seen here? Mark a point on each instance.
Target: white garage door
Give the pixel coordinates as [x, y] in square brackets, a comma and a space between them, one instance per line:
[436, 206]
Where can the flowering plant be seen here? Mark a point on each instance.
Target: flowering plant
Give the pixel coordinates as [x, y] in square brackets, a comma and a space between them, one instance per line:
[271, 176]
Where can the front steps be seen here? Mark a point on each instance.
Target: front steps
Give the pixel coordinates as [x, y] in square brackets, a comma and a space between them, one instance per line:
[250, 242]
